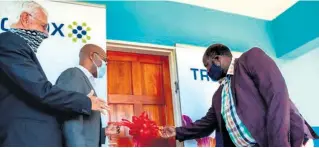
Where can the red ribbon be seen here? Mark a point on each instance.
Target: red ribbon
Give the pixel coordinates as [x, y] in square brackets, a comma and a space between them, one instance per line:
[141, 128]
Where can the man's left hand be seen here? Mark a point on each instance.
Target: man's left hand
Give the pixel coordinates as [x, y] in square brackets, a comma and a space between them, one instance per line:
[112, 129]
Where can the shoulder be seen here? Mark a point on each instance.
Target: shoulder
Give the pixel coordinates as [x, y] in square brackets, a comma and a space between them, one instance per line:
[5, 35]
[71, 80]
[13, 43]
[9, 37]
[252, 54]
[255, 51]
[71, 72]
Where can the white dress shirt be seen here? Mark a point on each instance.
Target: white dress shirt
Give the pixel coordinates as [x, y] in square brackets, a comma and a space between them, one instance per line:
[88, 75]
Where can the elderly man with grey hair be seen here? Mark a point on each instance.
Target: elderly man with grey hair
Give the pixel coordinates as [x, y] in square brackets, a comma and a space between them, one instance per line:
[29, 104]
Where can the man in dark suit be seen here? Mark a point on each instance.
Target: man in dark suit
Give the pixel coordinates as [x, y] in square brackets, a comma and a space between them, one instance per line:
[29, 103]
[80, 130]
[251, 107]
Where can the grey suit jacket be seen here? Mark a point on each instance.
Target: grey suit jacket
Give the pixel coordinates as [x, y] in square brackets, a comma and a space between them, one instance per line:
[80, 130]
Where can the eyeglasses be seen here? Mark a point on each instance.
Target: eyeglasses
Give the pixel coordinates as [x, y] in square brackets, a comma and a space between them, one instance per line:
[102, 57]
[44, 25]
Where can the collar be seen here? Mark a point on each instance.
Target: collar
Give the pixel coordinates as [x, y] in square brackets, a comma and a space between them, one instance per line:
[231, 67]
[230, 71]
[86, 72]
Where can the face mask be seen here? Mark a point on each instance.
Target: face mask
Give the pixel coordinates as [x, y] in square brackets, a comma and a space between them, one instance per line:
[100, 70]
[215, 72]
[42, 35]
[33, 37]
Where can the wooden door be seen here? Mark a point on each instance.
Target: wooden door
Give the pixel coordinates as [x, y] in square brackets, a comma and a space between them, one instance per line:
[137, 83]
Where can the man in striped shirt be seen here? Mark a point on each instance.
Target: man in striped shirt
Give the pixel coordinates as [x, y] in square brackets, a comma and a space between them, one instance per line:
[251, 107]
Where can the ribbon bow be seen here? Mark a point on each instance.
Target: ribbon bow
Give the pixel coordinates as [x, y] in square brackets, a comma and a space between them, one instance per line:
[141, 127]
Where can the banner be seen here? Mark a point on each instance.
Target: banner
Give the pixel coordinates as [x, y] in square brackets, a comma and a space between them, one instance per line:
[71, 26]
[196, 88]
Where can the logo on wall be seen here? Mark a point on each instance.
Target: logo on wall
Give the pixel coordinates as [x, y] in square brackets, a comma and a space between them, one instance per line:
[79, 32]
[200, 74]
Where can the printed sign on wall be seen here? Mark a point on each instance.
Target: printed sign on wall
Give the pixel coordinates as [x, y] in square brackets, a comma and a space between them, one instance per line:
[70, 27]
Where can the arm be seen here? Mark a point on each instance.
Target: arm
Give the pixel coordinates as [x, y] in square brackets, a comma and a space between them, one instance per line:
[299, 127]
[73, 126]
[198, 129]
[297, 131]
[272, 87]
[25, 74]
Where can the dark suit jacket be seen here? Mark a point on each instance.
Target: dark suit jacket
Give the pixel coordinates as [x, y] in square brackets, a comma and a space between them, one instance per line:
[29, 103]
[80, 130]
[262, 103]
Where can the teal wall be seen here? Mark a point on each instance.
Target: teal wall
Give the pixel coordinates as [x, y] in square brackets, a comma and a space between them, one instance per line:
[295, 27]
[168, 23]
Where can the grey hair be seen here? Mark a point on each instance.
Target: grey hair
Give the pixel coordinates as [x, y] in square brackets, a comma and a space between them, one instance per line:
[24, 6]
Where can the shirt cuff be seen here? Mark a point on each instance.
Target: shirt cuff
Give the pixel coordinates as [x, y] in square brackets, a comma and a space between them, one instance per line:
[86, 106]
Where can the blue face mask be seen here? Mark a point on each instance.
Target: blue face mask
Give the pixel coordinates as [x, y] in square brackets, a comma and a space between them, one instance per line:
[215, 72]
[100, 70]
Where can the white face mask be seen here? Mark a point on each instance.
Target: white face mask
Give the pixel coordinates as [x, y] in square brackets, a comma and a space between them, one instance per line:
[100, 70]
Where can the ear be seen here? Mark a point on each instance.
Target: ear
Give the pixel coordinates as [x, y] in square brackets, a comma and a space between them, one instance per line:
[217, 60]
[91, 55]
[214, 58]
[24, 19]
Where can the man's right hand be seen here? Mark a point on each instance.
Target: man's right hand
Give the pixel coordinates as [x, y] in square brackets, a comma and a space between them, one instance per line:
[98, 104]
[168, 132]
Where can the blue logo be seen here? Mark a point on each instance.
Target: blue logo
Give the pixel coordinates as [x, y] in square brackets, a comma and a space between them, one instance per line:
[76, 31]
[79, 32]
[200, 74]
[2, 24]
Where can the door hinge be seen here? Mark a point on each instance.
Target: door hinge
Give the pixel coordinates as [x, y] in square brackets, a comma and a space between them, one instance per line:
[176, 87]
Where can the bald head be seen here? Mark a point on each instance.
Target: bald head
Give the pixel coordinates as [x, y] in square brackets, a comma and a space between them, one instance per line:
[88, 49]
[91, 56]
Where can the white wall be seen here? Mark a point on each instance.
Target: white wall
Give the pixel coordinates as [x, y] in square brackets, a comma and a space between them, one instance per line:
[302, 78]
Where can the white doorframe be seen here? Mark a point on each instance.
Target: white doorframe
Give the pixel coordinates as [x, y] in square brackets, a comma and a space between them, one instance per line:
[143, 48]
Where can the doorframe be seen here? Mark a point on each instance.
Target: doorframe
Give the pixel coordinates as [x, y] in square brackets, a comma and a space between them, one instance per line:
[152, 49]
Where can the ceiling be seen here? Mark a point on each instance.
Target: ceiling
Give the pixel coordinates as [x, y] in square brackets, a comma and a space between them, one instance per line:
[262, 9]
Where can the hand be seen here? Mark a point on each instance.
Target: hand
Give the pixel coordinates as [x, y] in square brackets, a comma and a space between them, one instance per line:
[168, 132]
[98, 104]
[112, 129]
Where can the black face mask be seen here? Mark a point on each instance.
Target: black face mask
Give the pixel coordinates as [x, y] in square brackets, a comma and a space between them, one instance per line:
[33, 37]
[215, 72]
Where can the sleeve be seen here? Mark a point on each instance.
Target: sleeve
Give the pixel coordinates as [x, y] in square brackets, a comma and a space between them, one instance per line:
[200, 128]
[272, 87]
[26, 75]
